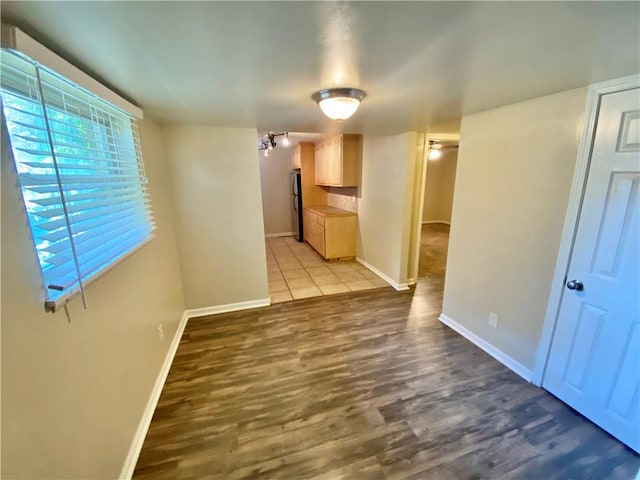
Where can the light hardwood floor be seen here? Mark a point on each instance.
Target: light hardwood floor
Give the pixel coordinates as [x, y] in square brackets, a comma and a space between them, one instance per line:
[363, 385]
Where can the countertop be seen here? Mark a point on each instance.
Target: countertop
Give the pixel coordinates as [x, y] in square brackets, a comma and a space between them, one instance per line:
[327, 211]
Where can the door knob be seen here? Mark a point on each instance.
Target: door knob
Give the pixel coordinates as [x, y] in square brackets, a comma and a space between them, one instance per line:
[575, 285]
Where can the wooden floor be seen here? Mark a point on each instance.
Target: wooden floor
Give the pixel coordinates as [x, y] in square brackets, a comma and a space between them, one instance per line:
[434, 244]
[363, 385]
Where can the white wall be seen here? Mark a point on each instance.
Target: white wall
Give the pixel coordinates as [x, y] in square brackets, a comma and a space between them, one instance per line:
[276, 190]
[73, 392]
[384, 208]
[515, 167]
[439, 186]
[215, 178]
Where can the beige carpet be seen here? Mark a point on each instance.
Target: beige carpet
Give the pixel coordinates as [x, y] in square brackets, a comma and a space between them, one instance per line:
[433, 250]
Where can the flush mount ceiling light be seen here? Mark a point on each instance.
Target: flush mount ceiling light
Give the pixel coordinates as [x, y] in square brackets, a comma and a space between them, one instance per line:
[268, 142]
[339, 103]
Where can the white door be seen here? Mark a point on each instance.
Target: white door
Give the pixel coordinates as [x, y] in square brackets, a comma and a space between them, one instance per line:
[594, 362]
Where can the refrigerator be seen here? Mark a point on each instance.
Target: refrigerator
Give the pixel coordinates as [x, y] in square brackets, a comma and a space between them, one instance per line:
[296, 205]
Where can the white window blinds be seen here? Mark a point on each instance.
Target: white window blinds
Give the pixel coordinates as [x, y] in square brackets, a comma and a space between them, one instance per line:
[80, 170]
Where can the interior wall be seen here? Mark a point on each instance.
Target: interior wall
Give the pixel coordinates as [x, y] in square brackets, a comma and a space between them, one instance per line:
[74, 391]
[215, 176]
[276, 190]
[515, 167]
[384, 207]
[439, 187]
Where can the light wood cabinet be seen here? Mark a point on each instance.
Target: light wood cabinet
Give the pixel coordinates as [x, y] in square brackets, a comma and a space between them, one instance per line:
[330, 231]
[338, 161]
[312, 194]
[296, 157]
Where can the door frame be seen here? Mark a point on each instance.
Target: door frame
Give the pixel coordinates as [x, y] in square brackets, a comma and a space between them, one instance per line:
[580, 174]
[418, 195]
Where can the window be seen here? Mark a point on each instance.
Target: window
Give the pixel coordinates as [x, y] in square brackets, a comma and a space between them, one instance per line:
[80, 170]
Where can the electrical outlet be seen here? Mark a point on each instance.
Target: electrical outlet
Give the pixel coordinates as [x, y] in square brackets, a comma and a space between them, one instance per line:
[493, 320]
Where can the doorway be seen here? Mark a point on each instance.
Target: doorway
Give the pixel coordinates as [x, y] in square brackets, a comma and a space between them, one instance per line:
[441, 159]
[590, 344]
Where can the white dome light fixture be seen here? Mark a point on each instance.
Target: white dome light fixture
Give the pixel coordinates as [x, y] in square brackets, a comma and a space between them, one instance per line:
[339, 103]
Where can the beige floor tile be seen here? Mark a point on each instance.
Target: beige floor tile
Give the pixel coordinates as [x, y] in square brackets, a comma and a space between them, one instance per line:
[273, 268]
[291, 241]
[291, 265]
[275, 276]
[378, 282]
[285, 257]
[277, 286]
[278, 297]
[337, 288]
[329, 279]
[351, 276]
[318, 270]
[307, 258]
[303, 282]
[312, 263]
[306, 292]
[276, 242]
[360, 285]
[291, 274]
[341, 267]
[368, 274]
[306, 253]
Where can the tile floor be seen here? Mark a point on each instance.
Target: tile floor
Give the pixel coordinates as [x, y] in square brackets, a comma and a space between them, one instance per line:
[297, 271]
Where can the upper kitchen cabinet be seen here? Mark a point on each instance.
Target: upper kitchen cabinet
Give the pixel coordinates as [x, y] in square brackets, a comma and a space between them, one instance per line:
[338, 161]
[303, 157]
[296, 157]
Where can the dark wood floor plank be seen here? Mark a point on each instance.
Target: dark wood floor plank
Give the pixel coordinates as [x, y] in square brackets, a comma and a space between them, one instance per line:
[365, 385]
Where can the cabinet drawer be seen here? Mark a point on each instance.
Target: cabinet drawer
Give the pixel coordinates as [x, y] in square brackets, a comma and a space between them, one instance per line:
[310, 217]
[315, 238]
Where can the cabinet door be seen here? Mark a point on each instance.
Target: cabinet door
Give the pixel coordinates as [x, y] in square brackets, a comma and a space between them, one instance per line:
[321, 167]
[340, 237]
[295, 158]
[335, 162]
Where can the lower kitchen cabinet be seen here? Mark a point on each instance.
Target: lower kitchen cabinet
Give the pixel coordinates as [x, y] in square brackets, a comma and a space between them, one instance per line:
[330, 231]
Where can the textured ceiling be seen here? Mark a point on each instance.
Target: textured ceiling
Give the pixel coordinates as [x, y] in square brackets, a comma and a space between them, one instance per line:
[256, 64]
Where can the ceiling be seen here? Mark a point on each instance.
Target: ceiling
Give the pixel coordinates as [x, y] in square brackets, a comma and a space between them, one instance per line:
[255, 64]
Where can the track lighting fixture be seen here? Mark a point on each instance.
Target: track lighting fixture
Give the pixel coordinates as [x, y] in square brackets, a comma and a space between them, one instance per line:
[268, 142]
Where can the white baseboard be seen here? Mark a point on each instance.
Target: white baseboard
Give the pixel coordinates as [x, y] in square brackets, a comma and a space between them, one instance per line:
[141, 433]
[424, 222]
[398, 286]
[281, 234]
[229, 307]
[143, 427]
[499, 355]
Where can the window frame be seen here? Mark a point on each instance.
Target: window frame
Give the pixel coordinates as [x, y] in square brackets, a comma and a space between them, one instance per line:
[115, 162]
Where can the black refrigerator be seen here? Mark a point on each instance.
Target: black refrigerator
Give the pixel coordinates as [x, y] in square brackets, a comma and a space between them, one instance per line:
[296, 205]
